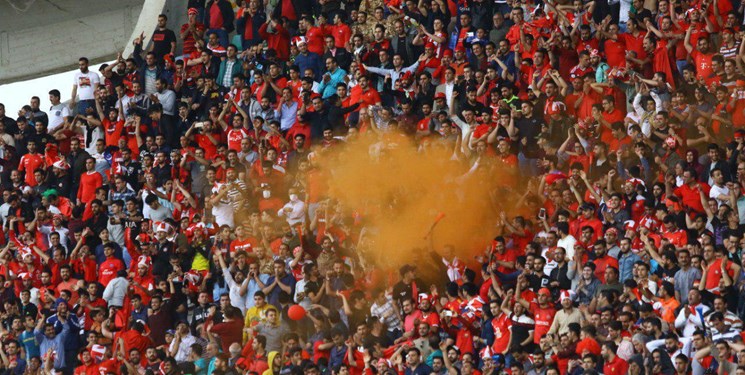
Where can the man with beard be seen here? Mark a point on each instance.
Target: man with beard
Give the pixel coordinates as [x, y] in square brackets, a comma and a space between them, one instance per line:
[614, 365]
[542, 311]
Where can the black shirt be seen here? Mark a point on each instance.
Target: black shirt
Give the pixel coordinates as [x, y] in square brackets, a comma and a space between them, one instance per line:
[403, 291]
[529, 128]
[162, 42]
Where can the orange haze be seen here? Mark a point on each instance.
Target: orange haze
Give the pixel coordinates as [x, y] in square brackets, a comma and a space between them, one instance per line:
[400, 191]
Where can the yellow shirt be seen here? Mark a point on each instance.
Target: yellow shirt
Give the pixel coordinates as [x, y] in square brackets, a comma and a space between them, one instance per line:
[254, 316]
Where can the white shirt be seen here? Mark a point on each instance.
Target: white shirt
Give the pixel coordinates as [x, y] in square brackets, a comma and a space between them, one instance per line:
[57, 114]
[694, 321]
[86, 83]
[167, 99]
[236, 299]
[716, 191]
[184, 347]
[296, 215]
[568, 244]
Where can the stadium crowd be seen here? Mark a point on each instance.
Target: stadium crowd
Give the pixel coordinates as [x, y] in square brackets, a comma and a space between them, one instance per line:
[171, 216]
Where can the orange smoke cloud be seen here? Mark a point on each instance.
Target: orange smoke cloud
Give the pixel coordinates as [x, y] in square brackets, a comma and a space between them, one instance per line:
[401, 190]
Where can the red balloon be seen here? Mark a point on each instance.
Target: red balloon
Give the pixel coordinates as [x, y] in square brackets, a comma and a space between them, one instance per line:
[296, 312]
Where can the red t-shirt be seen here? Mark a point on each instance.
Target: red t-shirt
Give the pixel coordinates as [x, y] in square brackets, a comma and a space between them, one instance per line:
[368, 97]
[615, 52]
[634, 43]
[602, 263]
[209, 148]
[615, 367]
[501, 326]
[108, 270]
[89, 182]
[703, 63]
[246, 245]
[543, 317]
[715, 273]
[216, 20]
[235, 136]
[315, 40]
[112, 131]
[690, 196]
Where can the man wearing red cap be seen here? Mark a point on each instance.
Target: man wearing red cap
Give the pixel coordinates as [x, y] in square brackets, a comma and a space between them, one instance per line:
[543, 311]
[567, 315]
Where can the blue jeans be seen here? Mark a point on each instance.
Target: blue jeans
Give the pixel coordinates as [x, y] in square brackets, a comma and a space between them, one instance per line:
[681, 64]
[83, 106]
[222, 36]
[528, 167]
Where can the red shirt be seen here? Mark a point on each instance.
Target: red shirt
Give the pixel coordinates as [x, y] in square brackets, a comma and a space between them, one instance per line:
[614, 116]
[189, 42]
[690, 196]
[501, 326]
[368, 97]
[543, 317]
[135, 340]
[602, 263]
[29, 164]
[615, 52]
[235, 136]
[615, 367]
[245, 245]
[108, 270]
[216, 20]
[715, 274]
[342, 33]
[634, 43]
[91, 369]
[507, 256]
[112, 131]
[89, 182]
[209, 148]
[230, 332]
[703, 63]
[315, 40]
[679, 238]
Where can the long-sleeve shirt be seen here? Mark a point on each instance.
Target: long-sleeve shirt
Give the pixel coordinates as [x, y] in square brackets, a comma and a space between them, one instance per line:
[236, 299]
[167, 99]
[394, 73]
[184, 347]
[327, 89]
[89, 182]
[694, 321]
[297, 213]
[626, 265]
[287, 114]
[562, 320]
[311, 61]
[57, 344]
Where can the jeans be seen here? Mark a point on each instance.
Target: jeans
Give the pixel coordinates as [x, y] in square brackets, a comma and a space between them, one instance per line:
[681, 64]
[222, 36]
[528, 167]
[83, 106]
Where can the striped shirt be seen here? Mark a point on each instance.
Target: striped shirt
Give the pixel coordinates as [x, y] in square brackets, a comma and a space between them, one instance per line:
[386, 314]
[729, 52]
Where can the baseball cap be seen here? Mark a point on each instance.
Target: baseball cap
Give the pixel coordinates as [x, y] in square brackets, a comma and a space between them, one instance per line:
[544, 291]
